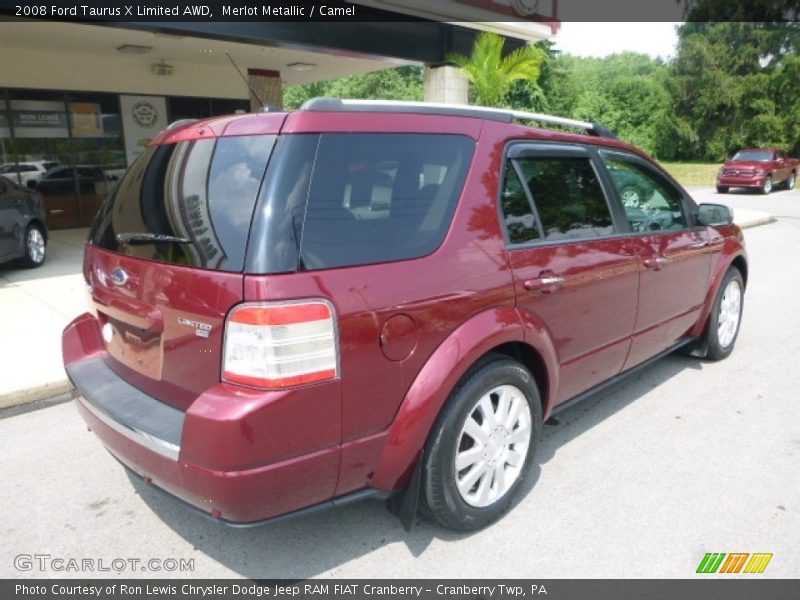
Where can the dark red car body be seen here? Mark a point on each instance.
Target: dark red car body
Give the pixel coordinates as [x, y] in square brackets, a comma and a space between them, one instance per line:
[407, 332]
[742, 171]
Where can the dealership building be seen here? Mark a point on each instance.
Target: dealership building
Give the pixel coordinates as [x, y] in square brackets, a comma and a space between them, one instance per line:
[87, 95]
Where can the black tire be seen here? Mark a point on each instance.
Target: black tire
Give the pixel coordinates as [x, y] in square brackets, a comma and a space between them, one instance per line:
[441, 498]
[722, 189]
[767, 187]
[35, 247]
[791, 181]
[718, 349]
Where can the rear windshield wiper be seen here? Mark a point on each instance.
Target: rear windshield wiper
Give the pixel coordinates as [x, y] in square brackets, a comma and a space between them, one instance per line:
[150, 238]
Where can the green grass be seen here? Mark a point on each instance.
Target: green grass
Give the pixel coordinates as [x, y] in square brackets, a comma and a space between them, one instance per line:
[687, 174]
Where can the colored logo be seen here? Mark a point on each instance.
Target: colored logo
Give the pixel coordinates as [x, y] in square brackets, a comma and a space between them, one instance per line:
[735, 562]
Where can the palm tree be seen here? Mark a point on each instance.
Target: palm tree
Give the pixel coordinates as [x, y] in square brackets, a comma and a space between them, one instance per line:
[490, 73]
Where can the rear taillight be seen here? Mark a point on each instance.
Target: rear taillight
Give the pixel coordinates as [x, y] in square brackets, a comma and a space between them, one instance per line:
[277, 345]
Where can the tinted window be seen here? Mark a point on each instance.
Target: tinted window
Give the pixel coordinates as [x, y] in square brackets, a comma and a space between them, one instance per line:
[58, 172]
[518, 215]
[200, 192]
[755, 155]
[381, 197]
[567, 196]
[651, 203]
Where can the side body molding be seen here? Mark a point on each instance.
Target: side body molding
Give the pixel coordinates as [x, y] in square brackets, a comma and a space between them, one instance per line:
[430, 390]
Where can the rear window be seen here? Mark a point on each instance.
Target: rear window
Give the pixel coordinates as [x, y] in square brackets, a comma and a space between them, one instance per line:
[189, 203]
[360, 198]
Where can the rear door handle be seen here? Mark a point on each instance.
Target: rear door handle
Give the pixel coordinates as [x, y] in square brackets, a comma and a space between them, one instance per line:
[655, 263]
[547, 284]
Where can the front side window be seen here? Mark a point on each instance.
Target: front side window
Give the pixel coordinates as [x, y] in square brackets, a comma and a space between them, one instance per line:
[568, 197]
[651, 203]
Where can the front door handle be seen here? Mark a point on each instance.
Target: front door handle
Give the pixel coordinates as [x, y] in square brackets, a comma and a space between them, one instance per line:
[547, 284]
[655, 263]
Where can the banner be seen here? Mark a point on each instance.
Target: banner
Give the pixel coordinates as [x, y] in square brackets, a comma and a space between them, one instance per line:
[39, 119]
[142, 118]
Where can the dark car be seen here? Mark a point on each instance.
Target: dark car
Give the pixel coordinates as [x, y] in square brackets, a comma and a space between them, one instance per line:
[60, 187]
[23, 225]
[357, 299]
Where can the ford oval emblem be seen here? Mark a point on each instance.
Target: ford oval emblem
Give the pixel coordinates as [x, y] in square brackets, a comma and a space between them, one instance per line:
[119, 276]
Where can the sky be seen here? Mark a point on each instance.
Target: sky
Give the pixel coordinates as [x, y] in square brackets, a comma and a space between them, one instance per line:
[602, 39]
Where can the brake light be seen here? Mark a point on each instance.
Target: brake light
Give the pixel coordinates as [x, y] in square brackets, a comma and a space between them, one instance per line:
[277, 345]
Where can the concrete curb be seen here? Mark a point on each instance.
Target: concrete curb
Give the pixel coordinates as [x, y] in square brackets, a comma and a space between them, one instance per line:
[765, 220]
[32, 394]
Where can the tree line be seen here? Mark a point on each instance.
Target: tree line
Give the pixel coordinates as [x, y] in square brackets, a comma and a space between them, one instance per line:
[729, 85]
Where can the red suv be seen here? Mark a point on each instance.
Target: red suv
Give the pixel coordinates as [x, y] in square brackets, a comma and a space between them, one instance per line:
[357, 299]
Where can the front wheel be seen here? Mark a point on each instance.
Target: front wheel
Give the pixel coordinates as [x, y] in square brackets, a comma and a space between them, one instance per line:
[632, 197]
[722, 189]
[726, 316]
[482, 445]
[767, 187]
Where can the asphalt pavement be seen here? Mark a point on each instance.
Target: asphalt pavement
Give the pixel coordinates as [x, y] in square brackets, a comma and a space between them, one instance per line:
[686, 457]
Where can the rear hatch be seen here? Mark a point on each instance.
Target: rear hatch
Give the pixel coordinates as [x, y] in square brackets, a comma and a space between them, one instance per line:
[166, 254]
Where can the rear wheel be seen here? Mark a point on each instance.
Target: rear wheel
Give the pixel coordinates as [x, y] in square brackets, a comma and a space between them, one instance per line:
[35, 247]
[791, 181]
[767, 187]
[726, 316]
[722, 189]
[482, 445]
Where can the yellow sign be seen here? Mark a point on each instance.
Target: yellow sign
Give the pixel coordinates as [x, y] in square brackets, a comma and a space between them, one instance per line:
[85, 119]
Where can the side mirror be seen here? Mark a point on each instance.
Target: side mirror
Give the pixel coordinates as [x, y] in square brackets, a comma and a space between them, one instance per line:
[714, 214]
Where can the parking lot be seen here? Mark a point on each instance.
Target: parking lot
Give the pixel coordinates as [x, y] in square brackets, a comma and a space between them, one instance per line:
[685, 457]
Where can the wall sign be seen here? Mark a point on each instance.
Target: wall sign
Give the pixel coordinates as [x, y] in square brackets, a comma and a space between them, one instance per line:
[142, 118]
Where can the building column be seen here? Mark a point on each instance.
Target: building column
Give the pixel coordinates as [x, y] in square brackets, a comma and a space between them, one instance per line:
[445, 83]
[267, 84]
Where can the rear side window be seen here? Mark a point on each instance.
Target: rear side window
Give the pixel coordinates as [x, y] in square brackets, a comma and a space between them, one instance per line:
[518, 214]
[381, 197]
[568, 197]
[189, 203]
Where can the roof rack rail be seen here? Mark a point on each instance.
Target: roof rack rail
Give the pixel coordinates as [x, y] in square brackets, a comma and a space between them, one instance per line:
[460, 110]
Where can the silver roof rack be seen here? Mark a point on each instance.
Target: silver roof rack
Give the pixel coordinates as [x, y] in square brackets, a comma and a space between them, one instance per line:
[433, 108]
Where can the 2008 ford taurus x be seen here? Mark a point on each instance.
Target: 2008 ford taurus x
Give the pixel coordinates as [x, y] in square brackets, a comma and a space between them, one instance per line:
[290, 310]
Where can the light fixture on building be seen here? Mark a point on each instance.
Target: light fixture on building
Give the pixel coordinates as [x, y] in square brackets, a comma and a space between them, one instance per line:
[301, 66]
[133, 49]
[161, 69]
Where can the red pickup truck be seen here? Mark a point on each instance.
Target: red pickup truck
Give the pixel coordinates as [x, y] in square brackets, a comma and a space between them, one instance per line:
[757, 168]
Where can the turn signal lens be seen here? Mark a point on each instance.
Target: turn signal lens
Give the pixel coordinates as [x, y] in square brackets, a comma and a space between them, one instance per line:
[278, 345]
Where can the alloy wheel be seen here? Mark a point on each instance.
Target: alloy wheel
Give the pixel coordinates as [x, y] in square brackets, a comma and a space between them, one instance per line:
[492, 446]
[730, 309]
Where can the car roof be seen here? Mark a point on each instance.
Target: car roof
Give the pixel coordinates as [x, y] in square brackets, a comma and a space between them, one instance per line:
[334, 114]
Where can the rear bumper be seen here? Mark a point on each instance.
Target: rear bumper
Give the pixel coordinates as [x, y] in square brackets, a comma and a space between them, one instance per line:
[126, 410]
[161, 443]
